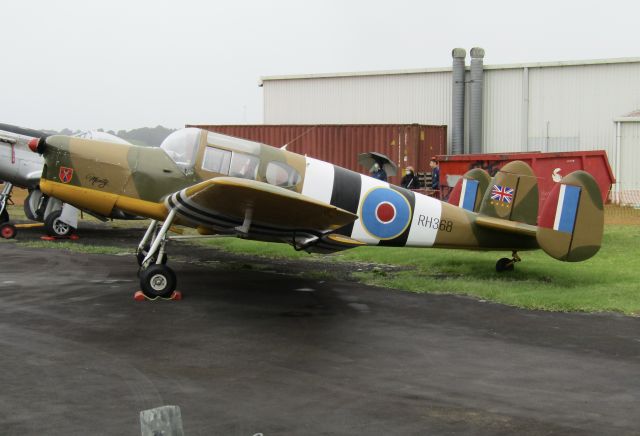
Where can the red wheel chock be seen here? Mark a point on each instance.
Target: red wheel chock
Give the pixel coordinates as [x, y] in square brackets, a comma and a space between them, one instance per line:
[139, 296]
[72, 237]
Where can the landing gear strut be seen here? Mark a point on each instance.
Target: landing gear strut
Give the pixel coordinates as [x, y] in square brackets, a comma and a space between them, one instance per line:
[156, 278]
[5, 198]
[7, 230]
[506, 264]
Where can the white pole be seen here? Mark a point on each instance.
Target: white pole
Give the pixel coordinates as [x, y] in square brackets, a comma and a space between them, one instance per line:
[618, 150]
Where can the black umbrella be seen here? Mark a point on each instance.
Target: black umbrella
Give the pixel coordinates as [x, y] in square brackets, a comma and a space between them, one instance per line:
[369, 158]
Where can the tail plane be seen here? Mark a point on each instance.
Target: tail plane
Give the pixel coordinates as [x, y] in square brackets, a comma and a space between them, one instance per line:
[569, 226]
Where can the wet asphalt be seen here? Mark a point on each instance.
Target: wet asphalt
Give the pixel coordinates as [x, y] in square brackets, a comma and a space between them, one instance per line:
[250, 352]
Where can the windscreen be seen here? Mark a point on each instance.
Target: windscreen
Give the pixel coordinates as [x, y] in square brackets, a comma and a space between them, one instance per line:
[182, 146]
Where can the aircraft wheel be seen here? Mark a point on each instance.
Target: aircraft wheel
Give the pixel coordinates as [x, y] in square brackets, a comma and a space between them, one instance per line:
[54, 227]
[158, 281]
[8, 231]
[504, 264]
[4, 216]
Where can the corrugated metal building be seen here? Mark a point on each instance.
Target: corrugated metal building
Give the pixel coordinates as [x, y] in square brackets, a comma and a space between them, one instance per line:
[553, 106]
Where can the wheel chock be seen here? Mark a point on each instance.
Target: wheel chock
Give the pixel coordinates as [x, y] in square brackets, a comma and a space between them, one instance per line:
[175, 296]
[72, 237]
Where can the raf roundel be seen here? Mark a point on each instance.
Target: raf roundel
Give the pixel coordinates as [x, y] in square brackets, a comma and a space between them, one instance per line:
[385, 213]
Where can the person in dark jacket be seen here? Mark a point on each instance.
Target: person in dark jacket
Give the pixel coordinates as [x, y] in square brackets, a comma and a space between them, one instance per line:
[377, 172]
[435, 174]
[410, 179]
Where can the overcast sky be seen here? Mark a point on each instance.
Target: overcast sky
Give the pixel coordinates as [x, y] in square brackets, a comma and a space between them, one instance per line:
[121, 64]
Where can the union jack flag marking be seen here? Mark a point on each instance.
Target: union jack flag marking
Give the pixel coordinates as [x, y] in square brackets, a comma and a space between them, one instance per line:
[502, 193]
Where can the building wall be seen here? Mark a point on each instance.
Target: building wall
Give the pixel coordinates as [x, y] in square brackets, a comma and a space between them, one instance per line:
[535, 107]
[360, 99]
[629, 161]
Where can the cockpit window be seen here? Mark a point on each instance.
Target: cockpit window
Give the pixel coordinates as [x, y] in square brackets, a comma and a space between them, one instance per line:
[230, 163]
[244, 166]
[182, 146]
[216, 160]
[281, 174]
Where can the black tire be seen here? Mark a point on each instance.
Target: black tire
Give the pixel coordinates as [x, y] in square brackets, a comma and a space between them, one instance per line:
[504, 264]
[8, 231]
[158, 281]
[54, 227]
[4, 216]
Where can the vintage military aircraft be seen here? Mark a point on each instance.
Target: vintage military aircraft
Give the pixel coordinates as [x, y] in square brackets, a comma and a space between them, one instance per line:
[222, 185]
[20, 167]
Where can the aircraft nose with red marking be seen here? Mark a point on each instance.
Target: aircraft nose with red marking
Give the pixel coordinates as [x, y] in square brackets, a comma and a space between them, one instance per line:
[33, 145]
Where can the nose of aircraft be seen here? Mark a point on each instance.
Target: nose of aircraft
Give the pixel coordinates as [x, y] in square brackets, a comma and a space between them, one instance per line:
[33, 145]
[37, 145]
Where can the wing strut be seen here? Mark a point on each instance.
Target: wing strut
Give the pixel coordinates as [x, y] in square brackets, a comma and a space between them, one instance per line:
[243, 230]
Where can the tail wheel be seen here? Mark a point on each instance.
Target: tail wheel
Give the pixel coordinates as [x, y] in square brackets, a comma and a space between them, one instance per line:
[55, 227]
[504, 264]
[158, 281]
[8, 231]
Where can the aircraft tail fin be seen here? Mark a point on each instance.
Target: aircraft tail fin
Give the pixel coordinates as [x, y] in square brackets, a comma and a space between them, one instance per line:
[572, 219]
[470, 189]
[512, 195]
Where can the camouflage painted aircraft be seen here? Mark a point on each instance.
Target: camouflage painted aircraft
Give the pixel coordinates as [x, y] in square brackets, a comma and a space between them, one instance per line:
[222, 185]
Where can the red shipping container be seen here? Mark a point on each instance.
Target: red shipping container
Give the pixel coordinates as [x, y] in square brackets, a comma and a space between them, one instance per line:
[405, 144]
[549, 168]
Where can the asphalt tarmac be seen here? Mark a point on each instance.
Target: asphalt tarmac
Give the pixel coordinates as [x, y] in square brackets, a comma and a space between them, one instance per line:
[250, 352]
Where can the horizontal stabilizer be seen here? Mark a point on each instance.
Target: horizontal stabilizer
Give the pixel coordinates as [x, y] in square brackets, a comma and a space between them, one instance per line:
[572, 219]
[506, 226]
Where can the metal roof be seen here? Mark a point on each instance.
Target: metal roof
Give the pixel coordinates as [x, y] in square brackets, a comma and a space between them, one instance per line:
[631, 117]
[447, 69]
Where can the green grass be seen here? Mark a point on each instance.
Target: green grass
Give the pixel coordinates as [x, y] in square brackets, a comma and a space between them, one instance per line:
[608, 282]
[75, 247]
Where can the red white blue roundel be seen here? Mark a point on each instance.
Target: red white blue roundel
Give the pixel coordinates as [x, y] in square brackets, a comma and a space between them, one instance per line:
[385, 213]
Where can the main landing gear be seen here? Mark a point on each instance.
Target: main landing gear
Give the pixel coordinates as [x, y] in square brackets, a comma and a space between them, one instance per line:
[7, 230]
[506, 264]
[156, 278]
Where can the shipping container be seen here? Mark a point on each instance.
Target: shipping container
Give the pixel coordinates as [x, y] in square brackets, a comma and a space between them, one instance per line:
[405, 144]
[549, 168]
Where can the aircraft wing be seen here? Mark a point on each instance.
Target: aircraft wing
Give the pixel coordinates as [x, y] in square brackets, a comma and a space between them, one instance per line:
[232, 200]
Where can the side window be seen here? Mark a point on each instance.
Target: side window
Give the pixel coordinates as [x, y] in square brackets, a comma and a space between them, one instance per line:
[216, 160]
[244, 166]
[281, 174]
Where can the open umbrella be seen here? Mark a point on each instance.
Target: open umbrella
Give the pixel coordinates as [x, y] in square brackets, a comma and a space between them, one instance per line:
[369, 158]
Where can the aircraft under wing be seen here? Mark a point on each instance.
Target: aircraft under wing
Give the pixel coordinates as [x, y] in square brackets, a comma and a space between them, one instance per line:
[231, 201]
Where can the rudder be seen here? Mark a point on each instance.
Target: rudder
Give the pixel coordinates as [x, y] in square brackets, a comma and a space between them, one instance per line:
[512, 194]
[470, 189]
[572, 219]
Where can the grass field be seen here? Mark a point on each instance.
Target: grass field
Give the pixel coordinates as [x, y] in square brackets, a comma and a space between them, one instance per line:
[608, 282]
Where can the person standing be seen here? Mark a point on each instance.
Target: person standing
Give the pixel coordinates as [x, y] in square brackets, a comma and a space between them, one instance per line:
[435, 174]
[377, 172]
[410, 179]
